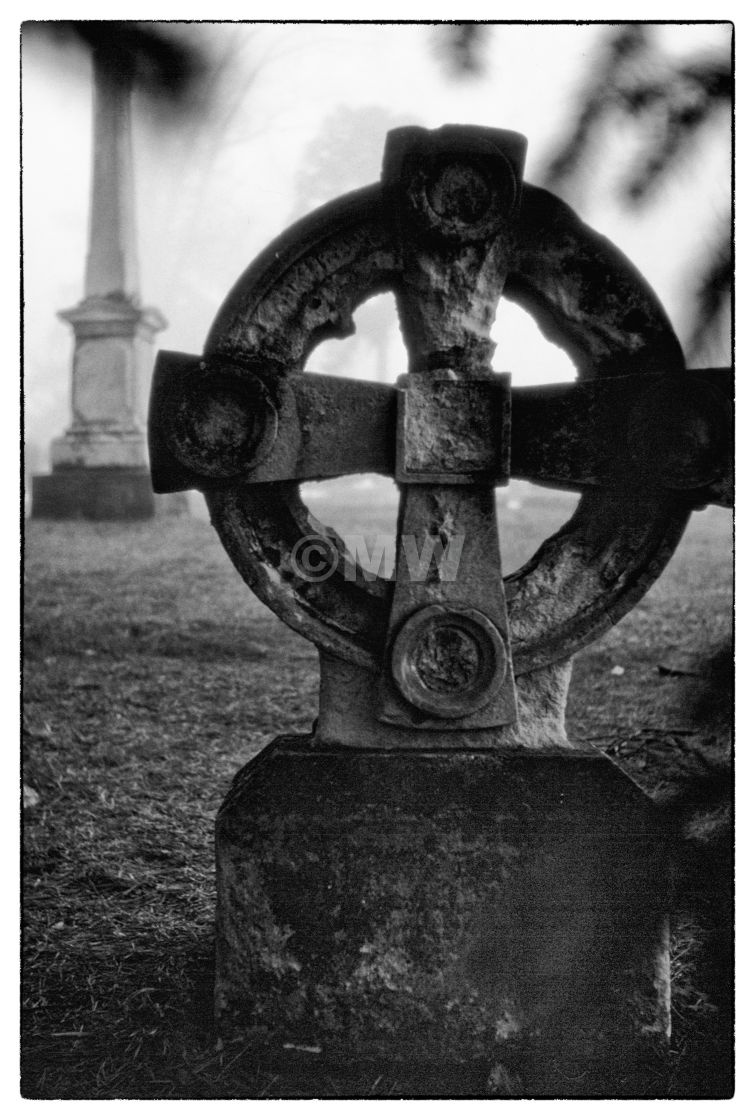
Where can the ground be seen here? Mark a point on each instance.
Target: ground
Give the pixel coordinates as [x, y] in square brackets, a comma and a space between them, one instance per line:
[152, 674]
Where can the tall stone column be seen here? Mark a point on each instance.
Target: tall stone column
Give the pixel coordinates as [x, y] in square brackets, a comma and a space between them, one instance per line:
[99, 466]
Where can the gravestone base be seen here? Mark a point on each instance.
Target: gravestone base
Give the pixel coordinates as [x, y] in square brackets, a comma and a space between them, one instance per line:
[94, 494]
[495, 916]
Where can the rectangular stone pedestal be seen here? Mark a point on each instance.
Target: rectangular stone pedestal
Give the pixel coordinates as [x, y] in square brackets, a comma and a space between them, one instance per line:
[94, 494]
[497, 911]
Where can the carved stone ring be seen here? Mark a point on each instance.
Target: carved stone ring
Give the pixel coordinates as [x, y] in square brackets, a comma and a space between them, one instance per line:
[247, 425]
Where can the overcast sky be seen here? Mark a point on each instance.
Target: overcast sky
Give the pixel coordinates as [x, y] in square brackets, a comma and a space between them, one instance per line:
[212, 195]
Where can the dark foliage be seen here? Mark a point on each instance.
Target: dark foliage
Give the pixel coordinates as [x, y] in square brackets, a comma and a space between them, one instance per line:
[163, 64]
[671, 103]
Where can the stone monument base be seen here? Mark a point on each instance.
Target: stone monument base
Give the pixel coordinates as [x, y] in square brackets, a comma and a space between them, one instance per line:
[499, 913]
[94, 494]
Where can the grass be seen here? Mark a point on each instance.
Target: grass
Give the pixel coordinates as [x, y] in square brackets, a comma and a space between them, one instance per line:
[152, 675]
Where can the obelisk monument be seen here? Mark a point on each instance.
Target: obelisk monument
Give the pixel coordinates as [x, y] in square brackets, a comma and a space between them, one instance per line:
[99, 466]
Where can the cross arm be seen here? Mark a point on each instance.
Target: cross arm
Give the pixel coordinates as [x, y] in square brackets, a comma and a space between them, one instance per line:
[213, 422]
[662, 431]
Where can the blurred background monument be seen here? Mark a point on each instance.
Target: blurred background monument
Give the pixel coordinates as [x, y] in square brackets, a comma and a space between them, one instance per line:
[99, 466]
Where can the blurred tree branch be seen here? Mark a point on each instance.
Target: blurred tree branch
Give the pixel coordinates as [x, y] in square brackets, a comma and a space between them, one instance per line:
[671, 104]
[670, 100]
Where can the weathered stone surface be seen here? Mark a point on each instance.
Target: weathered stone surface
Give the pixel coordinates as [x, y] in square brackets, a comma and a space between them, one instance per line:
[350, 703]
[324, 427]
[446, 517]
[451, 430]
[441, 907]
[574, 435]
[306, 286]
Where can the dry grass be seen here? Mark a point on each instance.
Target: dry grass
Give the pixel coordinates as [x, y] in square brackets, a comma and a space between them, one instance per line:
[152, 675]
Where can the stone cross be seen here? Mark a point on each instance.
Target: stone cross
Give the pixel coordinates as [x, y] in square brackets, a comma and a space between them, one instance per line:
[99, 466]
[436, 874]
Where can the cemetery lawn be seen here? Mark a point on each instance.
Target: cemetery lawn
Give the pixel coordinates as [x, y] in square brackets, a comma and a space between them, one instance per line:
[152, 674]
